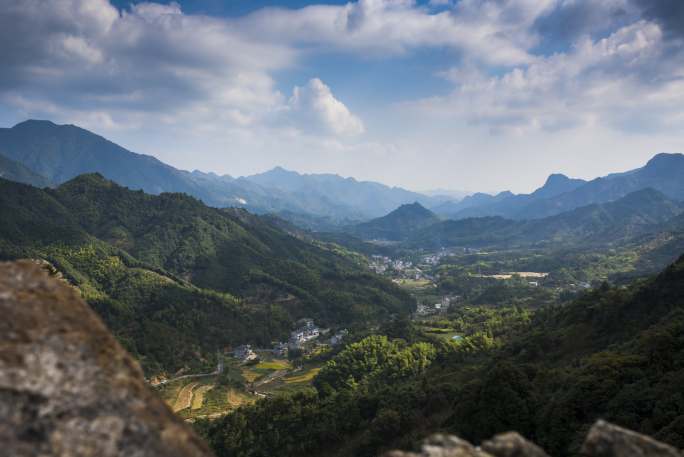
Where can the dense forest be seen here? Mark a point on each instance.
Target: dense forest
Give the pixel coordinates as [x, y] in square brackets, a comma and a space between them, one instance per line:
[614, 352]
[176, 280]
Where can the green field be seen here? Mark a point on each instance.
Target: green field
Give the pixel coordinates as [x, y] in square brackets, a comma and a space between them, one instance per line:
[215, 396]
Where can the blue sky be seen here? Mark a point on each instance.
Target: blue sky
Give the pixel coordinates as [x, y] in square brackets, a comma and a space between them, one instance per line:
[483, 95]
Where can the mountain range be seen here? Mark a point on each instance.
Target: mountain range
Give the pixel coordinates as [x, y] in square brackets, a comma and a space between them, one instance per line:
[643, 211]
[58, 153]
[664, 173]
[42, 153]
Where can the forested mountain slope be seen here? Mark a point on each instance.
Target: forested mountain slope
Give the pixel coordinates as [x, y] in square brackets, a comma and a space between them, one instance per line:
[171, 274]
[397, 225]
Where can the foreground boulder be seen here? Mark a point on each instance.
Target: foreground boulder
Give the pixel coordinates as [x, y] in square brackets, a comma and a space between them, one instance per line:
[608, 440]
[504, 445]
[67, 388]
[603, 440]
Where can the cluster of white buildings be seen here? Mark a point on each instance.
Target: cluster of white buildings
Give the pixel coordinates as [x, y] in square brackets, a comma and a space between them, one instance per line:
[437, 308]
[244, 353]
[381, 263]
[306, 331]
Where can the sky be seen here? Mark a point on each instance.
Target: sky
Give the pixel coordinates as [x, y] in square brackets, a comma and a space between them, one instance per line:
[478, 95]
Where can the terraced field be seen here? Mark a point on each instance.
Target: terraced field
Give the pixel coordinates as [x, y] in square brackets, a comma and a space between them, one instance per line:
[184, 399]
[237, 398]
[198, 395]
[307, 376]
[214, 396]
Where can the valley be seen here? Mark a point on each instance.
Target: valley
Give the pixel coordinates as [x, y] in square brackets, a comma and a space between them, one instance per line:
[280, 337]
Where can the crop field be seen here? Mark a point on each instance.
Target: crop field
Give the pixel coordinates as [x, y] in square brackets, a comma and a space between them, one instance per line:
[275, 364]
[307, 376]
[216, 396]
[198, 395]
[184, 399]
[413, 283]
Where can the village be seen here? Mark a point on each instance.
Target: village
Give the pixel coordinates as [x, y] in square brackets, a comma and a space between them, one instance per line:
[245, 373]
[300, 340]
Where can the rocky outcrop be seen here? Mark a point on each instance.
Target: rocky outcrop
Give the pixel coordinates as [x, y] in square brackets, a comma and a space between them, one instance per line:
[511, 444]
[608, 440]
[504, 445]
[603, 440]
[443, 446]
[67, 388]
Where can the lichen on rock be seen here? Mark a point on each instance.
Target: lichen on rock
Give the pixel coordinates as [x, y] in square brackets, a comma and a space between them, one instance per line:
[67, 388]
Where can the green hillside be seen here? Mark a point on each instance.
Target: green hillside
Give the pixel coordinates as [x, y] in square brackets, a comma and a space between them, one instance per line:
[397, 225]
[177, 280]
[613, 353]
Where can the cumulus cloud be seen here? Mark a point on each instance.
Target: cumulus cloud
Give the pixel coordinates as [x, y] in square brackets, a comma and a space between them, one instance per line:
[320, 110]
[85, 55]
[668, 13]
[492, 31]
[622, 81]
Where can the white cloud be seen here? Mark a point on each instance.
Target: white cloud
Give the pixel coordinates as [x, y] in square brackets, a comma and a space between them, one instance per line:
[622, 81]
[83, 55]
[492, 31]
[319, 108]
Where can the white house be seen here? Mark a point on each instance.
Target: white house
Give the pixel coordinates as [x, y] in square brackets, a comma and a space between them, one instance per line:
[244, 353]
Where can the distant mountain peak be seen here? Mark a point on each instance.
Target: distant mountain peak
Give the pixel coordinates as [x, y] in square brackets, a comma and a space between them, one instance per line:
[90, 179]
[406, 219]
[32, 123]
[413, 208]
[556, 184]
[282, 170]
[665, 159]
[555, 178]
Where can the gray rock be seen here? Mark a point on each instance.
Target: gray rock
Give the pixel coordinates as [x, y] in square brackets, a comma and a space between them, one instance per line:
[512, 444]
[67, 388]
[608, 440]
[603, 440]
[443, 446]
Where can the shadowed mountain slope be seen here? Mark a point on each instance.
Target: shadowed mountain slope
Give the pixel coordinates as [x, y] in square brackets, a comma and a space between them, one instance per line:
[172, 276]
